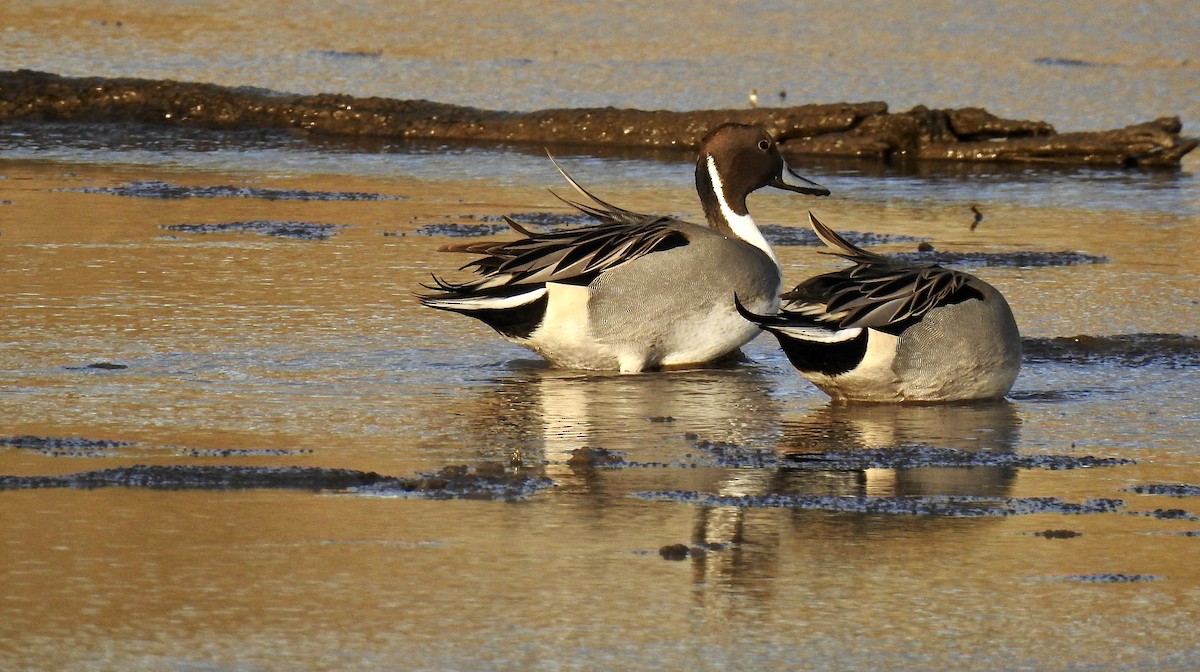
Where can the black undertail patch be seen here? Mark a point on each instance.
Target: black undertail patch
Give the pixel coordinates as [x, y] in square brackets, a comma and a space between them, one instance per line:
[519, 322]
[830, 359]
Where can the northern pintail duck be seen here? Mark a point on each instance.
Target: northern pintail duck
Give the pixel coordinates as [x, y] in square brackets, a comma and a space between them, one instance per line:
[637, 292]
[887, 330]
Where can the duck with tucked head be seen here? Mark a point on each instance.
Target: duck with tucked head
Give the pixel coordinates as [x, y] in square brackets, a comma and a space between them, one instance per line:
[637, 292]
[886, 330]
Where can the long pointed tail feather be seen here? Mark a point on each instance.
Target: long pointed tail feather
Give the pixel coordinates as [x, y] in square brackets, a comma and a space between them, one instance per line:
[839, 245]
[601, 209]
[518, 227]
[478, 302]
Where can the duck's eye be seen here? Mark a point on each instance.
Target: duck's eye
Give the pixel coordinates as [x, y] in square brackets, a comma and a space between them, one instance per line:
[764, 145]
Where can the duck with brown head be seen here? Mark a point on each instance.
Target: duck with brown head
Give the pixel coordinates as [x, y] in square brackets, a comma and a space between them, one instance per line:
[637, 292]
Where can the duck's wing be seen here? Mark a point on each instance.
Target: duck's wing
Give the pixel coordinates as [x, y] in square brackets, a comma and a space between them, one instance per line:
[876, 292]
[574, 256]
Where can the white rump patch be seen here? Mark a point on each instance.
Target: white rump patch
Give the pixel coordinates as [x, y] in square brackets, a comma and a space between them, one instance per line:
[564, 336]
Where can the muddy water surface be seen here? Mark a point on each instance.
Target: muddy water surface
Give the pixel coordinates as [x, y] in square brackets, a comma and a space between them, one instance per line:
[713, 534]
[210, 307]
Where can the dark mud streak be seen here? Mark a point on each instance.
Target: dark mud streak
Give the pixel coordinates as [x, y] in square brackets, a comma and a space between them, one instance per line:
[167, 191]
[788, 236]
[1052, 396]
[155, 477]
[1111, 578]
[1069, 62]
[723, 454]
[1002, 259]
[454, 482]
[245, 452]
[941, 506]
[679, 552]
[485, 481]
[1176, 351]
[103, 366]
[1058, 534]
[863, 130]
[56, 446]
[457, 230]
[1168, 514]
[900, 457]
[346, 55]
[589, 458]
[489, 225]
[922, 456]
[545, 220]
[56, 442]
[266, 227]
[1167, 489]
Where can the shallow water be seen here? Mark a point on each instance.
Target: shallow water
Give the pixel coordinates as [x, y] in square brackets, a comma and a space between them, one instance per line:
[248, 349]
[244, 348]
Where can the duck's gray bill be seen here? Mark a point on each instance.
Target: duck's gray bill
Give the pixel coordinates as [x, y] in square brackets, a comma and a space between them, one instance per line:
[792, 181]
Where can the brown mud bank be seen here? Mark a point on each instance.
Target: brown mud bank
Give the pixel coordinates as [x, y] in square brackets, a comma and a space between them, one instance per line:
[861, 130]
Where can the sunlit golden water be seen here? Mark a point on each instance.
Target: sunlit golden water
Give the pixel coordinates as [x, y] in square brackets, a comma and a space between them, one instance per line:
[241, 341]
[318, 351]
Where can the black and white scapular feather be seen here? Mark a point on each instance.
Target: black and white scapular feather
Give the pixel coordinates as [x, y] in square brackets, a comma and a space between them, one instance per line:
[887, 330]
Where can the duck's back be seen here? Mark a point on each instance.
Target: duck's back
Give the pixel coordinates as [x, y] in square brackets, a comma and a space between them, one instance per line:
[678, 307]
[967, 350]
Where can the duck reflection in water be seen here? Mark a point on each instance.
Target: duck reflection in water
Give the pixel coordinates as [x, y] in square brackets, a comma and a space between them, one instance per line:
[539, 417]
[748, 539]
[542, 415]
[980, 427]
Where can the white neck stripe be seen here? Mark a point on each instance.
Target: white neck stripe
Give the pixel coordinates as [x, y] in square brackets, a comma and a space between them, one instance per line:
[743, 226]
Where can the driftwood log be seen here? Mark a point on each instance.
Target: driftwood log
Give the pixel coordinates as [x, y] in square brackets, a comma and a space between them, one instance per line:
[864, 130]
